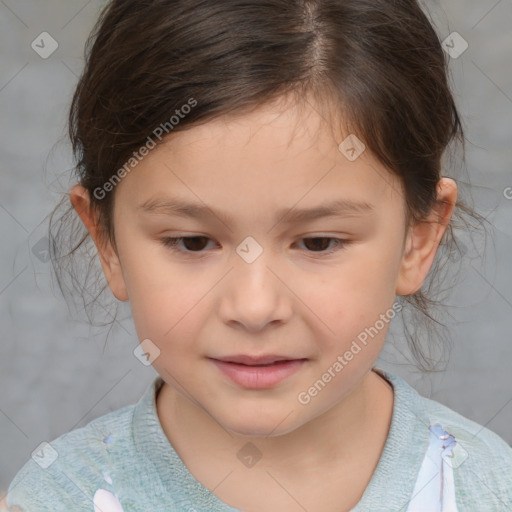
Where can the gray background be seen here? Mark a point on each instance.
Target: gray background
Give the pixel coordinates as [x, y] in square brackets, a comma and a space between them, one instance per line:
[55, 372]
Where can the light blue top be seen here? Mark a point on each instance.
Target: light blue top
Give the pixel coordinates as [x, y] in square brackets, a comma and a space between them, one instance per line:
[433, 460]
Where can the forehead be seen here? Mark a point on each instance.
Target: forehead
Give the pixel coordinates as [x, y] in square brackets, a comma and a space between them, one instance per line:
[278, 127]
[275, 155]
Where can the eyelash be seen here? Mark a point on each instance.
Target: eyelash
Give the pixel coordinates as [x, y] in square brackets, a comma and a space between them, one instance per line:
[172, 242]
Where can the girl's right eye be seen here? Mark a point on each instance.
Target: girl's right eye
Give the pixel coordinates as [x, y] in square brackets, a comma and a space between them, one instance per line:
[195, 243]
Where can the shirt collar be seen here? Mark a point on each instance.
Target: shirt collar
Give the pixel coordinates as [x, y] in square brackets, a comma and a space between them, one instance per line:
[390, 487]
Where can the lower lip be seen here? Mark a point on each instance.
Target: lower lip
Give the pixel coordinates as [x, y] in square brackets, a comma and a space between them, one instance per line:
[259, 377]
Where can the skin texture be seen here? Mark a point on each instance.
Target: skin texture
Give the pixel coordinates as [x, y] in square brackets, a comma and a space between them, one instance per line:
[292, 300]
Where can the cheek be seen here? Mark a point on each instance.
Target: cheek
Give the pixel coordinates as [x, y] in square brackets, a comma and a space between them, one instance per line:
[159, 292]
[164, 301]
[167, 313]
[358, 288]
[349, 305]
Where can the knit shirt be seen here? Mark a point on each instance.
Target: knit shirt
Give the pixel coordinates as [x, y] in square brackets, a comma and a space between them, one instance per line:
[433, 460]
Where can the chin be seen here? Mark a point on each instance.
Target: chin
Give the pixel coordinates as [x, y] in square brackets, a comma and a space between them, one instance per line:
[253, 425]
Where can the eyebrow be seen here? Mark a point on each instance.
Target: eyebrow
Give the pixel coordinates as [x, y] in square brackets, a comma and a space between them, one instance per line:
[177, 207]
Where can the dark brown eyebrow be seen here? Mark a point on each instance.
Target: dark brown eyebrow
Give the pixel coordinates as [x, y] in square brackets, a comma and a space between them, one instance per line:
[177, 207]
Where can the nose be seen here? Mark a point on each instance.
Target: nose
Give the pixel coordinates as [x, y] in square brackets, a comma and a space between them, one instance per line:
[255, 294]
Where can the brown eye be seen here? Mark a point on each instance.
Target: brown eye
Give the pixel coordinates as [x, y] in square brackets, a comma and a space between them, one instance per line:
[191, 243]
[317, 244]
[320, 244]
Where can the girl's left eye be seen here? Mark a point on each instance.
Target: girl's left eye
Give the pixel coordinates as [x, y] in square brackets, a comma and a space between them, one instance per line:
[196, 244]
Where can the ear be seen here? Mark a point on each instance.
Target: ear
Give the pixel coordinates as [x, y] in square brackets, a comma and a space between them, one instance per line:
[80, 199]
[423, 240]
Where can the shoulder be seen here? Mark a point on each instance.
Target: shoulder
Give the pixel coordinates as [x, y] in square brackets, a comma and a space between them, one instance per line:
[482, 446]
[65, 472]
[481, 459]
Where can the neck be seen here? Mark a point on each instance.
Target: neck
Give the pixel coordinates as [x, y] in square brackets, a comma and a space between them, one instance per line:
[354, 429]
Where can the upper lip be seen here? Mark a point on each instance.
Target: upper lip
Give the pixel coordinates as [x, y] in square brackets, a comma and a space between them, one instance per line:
[253, 360]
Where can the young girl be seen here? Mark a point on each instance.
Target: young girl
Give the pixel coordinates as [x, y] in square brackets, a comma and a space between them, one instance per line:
[262, 181]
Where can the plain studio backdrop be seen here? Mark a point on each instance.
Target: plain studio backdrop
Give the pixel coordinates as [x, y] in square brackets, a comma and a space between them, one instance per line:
[56, 373]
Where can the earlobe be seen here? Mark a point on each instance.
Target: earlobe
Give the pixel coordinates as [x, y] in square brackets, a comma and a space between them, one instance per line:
[109, 259]
[423, 240]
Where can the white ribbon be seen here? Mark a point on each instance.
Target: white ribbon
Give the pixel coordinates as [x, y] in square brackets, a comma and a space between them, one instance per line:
[435, 487]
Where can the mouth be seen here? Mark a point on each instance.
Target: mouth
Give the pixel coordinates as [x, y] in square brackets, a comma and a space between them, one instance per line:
[258, 372]
[257, 360]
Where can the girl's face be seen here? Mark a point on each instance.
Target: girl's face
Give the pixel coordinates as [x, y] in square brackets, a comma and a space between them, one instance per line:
[271, 272]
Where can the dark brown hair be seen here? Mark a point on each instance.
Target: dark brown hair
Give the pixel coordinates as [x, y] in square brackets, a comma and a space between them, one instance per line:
[375, 66]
